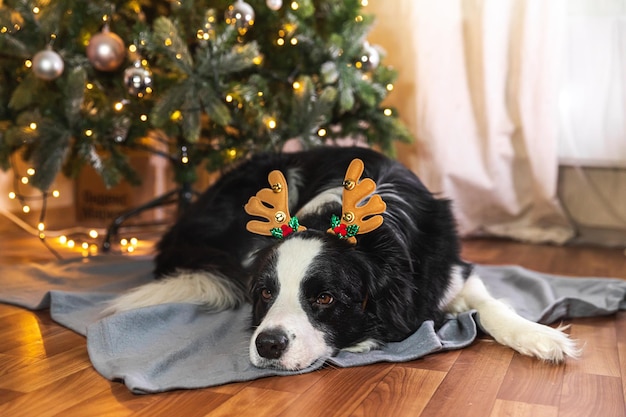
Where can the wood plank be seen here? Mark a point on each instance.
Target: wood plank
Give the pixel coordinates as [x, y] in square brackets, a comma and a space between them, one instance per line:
[115, 401]
[338, 393]
[47, 371]
[620, 330]
[8, 309]
[531, 381]
[504, 408]
[404, 391]
[230, 389]
[57, 397]
[254, 401]
[12, 363]
[586, 395]
[195, 403]
[20, 329]
[473, 383]
[6, 395]
[296, 384]
[599, 347]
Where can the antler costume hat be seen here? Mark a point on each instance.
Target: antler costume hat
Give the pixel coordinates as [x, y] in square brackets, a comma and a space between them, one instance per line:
[272, 204]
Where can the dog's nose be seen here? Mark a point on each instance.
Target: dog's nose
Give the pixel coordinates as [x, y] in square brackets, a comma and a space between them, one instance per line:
[271, 343]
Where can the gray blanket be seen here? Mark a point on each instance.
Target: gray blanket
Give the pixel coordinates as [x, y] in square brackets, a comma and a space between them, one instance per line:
[176, 346]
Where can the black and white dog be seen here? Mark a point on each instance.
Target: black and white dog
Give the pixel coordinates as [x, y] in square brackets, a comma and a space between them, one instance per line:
[313, 293]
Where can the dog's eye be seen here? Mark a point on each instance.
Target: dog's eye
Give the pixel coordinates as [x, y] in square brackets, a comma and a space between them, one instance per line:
[266, 294]
[324, 299]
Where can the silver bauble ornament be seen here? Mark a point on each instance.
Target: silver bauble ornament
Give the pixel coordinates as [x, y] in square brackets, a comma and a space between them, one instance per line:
[47, 65]
[106, 50]
[370, 58]
[138, 79]
[274, 4]
[241, 15]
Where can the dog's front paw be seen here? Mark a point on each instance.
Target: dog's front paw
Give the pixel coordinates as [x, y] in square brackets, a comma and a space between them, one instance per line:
[534, 339]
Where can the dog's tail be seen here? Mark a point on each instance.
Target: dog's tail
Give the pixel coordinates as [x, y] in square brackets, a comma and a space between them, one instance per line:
[209, 289]
[510, 329]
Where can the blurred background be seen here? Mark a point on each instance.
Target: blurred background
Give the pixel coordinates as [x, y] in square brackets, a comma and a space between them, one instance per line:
[517, 109]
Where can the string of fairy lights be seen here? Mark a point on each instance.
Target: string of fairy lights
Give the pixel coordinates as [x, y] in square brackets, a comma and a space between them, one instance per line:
[104, 53]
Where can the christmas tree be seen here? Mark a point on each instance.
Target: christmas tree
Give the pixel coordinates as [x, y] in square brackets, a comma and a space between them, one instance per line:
[199, 82]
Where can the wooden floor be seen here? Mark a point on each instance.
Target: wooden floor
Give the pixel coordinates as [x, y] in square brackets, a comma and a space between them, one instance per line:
[45, 371]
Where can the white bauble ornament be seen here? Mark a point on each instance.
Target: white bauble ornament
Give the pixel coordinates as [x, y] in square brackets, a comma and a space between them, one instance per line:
[274, 4]
[106, 50]
[241, 15]
[48, 65]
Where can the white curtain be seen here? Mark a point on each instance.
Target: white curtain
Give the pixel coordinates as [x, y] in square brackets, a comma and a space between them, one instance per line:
[593, 93]
[479, 89]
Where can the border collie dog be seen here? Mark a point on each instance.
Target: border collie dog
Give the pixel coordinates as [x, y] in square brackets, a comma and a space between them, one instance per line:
[314, 292]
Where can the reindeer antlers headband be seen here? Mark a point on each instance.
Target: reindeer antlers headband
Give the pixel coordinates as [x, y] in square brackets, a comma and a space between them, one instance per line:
[272, 205]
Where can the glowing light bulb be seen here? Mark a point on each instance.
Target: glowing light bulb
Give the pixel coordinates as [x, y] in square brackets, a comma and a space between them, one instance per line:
[88, 133]
[296, 85]
[143, 117]
[118, 106]
[280, 41]
[124, 242]
[30, 171]
[389, 87]
[24, 180]
[26, 209]
[84, 245]
[71, 244]
[41, 227]
[28, 63]
[294, 5]
[294, 41]
[56, 193]
[133, 241]
[321, 132]
[176, 115]
[387, 112]
[271, 123]
[33, 126]
[62, 240]
[229, 98]
[12, 195]
[93, 234]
